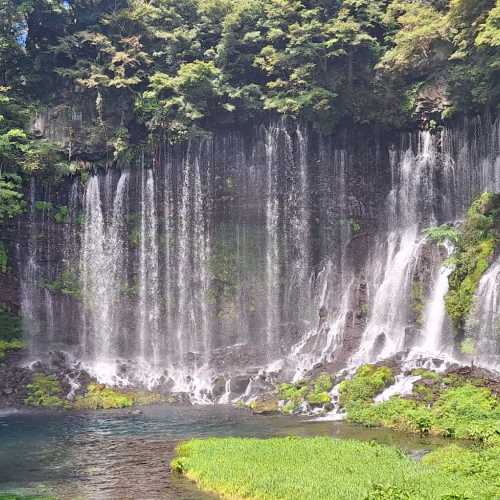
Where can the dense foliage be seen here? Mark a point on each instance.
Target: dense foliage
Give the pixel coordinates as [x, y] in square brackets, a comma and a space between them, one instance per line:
[326, 468]
[313, 393]
[45, 391]
[132, 67]
[446, 405]
[475, 246]
[10, 330]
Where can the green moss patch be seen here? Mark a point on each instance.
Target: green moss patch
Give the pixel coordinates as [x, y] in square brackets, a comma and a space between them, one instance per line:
[368, 381]
[314, 392]
[325, 468]
[99, 396]
[448, 405]
[475, 245]
[45, 391]
[7, 346]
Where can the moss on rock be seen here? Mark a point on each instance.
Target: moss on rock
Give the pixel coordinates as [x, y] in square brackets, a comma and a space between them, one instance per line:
[99, 396]
[475, 247]
[45, 391]
[368, 381]
[314, 393]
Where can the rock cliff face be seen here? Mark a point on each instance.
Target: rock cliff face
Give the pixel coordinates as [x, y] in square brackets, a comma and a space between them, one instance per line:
[274, 249]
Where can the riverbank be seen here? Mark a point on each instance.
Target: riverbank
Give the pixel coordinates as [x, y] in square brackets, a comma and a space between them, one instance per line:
[325, 468]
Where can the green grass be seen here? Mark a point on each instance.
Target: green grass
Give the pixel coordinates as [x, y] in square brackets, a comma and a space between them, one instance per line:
[325, 468]
[448, 406]
[10, 345]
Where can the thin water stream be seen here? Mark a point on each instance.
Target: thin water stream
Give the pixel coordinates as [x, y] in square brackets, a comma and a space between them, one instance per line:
[119, 454]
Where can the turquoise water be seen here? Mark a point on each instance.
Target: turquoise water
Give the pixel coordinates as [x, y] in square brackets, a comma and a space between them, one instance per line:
[122, 454]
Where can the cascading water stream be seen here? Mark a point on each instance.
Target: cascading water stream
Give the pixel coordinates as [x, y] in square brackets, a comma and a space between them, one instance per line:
[484, 323]
[435, 312]
[392, 265]
[102, 271]
[272, 251]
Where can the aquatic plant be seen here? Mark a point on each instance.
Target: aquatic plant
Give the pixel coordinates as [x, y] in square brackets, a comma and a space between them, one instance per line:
[323, 468]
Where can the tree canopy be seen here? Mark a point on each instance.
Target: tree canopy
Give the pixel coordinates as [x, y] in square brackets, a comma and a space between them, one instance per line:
[177, 65]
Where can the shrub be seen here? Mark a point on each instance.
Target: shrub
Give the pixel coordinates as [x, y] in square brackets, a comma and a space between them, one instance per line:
[10, 345]
[368, 381]
[99, 396]
[475, 246]
[461, 410]
[314, 392]
[45, 391]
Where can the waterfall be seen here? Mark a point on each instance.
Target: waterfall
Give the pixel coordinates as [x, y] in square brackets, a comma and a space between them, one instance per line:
[484, 322]
[272, 251]
[149, 291]
[169, 254]
[102, 266]
[435, 311]
[240, 254]
[393, 262]
[30, 275]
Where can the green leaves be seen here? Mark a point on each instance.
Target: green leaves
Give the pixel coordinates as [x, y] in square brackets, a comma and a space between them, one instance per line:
[45, 391]
[194, 93]
[367, 382]
[182, 64]
[475, 244]
[323, 468]
[11, 197]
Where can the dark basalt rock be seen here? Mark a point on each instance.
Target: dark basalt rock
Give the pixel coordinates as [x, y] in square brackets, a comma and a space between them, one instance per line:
[218, 387]
[239, 384]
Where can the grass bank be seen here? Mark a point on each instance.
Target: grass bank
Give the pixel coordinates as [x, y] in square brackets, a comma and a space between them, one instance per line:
[449, 405]
[325, 468]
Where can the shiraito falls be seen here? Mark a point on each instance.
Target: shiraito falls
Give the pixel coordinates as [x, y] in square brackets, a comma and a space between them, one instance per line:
[268, 269]
[238, 256]
[250, 249]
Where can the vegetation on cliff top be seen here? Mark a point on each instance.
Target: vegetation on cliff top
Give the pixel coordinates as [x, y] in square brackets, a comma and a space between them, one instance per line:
[325, 468]
[114, 73]
[130, 67]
